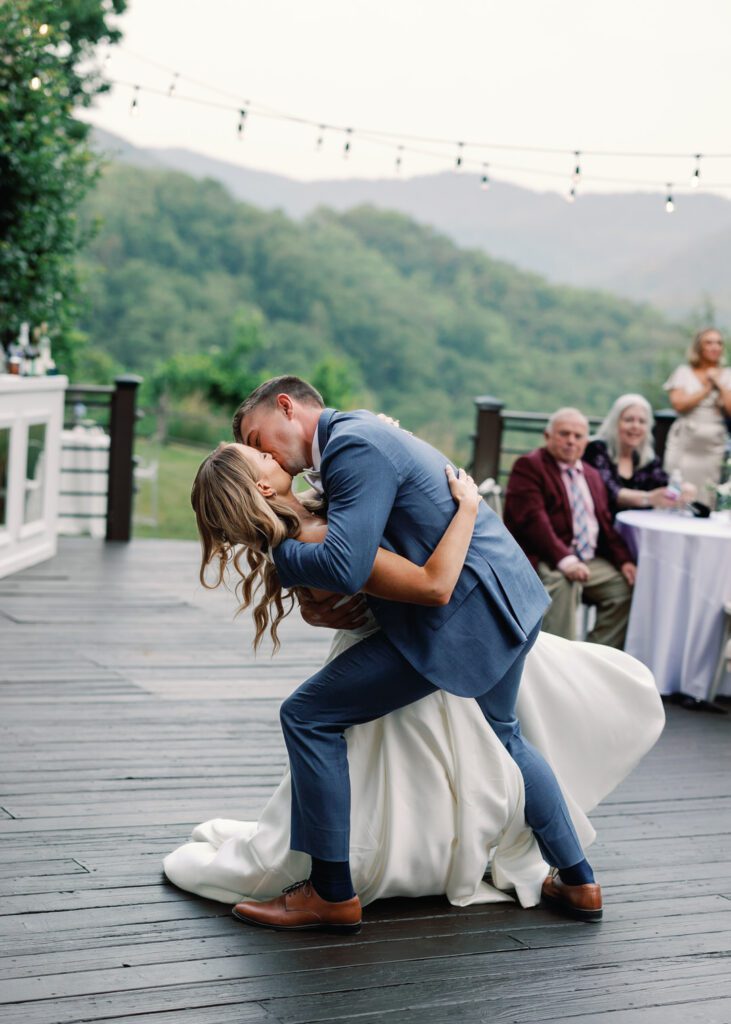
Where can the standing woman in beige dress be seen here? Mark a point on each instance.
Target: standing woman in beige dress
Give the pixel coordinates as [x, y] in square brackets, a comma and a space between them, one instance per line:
[700, 393]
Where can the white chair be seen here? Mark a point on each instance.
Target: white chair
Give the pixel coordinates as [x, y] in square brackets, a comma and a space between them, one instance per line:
[724, 654]
[147, 472]
[492, 492]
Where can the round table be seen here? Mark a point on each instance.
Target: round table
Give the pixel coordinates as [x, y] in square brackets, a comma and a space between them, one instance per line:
[683, 579]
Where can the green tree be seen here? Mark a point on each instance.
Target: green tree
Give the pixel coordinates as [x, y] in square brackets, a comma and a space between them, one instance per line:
[46, 166]
[373, 308]
[334, 379]
[219, 377]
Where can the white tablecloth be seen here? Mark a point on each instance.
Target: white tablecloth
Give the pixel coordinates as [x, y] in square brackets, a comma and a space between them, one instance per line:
[683, 579]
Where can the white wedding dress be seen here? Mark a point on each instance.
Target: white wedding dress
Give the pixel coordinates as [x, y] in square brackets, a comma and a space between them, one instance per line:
[435, 795]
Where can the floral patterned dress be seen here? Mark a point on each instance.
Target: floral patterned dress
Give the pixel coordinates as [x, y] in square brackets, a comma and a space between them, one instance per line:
[644, 478]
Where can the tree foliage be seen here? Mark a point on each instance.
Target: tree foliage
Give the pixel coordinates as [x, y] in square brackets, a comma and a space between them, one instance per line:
[46, 165]
[370, 306]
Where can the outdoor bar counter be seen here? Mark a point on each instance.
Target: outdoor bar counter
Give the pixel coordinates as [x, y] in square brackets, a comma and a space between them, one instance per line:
[31, 420]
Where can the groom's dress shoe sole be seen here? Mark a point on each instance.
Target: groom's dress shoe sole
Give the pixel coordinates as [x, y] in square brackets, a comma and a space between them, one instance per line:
[299, 909]
[582, 902]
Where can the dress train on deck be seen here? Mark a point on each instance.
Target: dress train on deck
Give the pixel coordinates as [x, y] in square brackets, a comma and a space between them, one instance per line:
[435, 795]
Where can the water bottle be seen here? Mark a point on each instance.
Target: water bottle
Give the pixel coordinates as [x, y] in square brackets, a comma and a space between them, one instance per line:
[675, 485]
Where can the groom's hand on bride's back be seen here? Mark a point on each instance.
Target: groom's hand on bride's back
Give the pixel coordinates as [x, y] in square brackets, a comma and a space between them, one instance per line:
[348, 615]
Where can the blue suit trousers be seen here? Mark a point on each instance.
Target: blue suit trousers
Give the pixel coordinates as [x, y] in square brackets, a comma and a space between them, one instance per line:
[364, 683]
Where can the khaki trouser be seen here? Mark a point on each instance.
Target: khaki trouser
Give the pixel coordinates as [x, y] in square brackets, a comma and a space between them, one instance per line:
[606, 588]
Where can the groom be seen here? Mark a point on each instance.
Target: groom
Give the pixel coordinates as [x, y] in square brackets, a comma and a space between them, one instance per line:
[387, 488]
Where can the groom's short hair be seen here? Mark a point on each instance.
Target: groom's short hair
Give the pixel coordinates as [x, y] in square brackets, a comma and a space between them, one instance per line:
[267, 392]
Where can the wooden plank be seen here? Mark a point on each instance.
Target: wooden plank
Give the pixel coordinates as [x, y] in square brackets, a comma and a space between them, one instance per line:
[532, 985]
[145, 712]
[235, 940]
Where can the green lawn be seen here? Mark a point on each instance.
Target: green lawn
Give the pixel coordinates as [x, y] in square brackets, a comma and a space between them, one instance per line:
[177, 466]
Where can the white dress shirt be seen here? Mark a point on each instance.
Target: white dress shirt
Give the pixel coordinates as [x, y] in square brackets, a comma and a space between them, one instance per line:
[312, 475]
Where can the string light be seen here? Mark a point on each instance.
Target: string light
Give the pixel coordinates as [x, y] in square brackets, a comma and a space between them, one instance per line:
[242, 123]
[134, 105]
[576, 176]
[381, 139]
[669, 204]
[696, 179]
[320, 137]
[458, 161]
[35, 83]
[403, 137]
[173, 84]
[399, 159]
[485, 180]
[43, 29]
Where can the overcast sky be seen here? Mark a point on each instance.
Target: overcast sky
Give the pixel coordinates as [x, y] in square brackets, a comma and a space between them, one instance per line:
[639, 75]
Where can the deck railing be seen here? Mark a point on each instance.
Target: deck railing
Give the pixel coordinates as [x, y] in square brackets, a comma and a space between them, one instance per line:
[504, 434]
[114, 408]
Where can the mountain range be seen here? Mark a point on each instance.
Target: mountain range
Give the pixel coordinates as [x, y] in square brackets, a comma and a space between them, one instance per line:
[621, 243]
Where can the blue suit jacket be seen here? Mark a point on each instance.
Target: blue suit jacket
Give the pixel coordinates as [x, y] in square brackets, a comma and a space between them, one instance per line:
[388, 488]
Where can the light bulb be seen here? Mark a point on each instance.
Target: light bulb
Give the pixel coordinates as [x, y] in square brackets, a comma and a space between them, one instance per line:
[35, 83]
[576, 176]
[696, 179]
[43, 29]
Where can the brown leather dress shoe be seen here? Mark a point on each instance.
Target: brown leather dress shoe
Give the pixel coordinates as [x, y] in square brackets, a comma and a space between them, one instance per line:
[584, 902]
[299, 908]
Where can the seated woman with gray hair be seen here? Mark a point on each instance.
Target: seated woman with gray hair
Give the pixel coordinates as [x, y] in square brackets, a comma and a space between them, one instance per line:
[622, 451]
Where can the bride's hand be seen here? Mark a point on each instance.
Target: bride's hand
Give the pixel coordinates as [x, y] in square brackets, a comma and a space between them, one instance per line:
[464, 490]
[391, 421]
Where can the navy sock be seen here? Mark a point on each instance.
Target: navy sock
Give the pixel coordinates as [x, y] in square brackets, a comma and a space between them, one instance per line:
[331, 879]
[577, 874]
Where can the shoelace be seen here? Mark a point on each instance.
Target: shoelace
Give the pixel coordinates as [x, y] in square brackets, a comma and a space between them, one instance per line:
[298, 885]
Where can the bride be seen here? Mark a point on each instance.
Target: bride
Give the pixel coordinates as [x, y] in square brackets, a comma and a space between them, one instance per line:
[436, 797]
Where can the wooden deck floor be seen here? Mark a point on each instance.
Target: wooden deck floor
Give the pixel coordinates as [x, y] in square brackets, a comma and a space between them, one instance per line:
[132, 709]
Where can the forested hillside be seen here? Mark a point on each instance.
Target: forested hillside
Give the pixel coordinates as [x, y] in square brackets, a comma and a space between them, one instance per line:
[382, 311]
[624, 243]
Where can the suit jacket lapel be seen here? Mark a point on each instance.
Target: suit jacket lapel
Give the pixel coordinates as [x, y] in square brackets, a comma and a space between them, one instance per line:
[555, 474]
[323, 429]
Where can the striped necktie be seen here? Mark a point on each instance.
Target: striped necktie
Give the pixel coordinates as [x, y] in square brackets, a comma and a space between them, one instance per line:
[582, 546]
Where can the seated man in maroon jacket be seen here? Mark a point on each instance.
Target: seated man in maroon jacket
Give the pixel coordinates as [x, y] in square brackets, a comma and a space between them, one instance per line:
[557, 509]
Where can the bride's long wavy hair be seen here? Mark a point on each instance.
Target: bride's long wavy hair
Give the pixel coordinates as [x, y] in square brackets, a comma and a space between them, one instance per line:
[235, 521]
